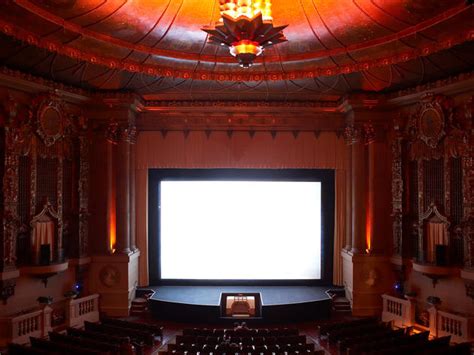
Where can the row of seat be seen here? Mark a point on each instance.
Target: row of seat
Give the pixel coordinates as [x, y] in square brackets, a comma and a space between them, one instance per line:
[248, 340]
[242, 332]
[110, 337]
[241, 340]
[369, 336]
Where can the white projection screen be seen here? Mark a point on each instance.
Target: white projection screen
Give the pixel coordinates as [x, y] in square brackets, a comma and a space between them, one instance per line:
[240, 230]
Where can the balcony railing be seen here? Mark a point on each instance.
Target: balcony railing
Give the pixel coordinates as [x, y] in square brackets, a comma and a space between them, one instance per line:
[398, 310]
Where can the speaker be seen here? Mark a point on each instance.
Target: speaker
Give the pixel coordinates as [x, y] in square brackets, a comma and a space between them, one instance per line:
[441, 255]
[45, 254]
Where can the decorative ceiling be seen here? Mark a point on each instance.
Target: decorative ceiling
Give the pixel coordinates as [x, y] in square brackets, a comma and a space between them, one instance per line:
[157, 48]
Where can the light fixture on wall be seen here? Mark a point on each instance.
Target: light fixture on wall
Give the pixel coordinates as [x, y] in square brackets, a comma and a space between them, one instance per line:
[246, 28]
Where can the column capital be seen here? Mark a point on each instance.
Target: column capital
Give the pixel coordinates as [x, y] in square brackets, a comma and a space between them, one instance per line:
[121, 132]
[369, 133]
[352, 134]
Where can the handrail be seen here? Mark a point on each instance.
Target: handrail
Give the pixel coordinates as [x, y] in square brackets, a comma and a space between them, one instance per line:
[459, 327]
[83, 309]
[400, 311]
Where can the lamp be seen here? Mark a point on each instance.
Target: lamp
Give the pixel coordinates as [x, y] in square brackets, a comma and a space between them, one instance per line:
[246, 28]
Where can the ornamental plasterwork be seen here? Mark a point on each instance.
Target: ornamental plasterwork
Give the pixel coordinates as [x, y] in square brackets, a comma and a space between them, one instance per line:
[51, 121]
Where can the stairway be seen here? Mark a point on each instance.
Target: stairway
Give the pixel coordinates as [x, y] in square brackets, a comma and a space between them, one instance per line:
[340, 304]
[139, 305]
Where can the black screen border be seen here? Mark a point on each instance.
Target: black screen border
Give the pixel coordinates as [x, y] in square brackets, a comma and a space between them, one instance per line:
[324, 176]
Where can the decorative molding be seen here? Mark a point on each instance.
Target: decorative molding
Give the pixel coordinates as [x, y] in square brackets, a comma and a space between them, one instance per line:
[118, 132]
[14, 139]
[434, 131]
[240, 121]
[30, 78]
[369, 133]
[432, 85]
[433, 211]
[83, 195]
[51, 120]
[397, 195]
[118, 96]
[59, 194]
[353, 134]
[160, 104]
[48, 210]
[54, 46]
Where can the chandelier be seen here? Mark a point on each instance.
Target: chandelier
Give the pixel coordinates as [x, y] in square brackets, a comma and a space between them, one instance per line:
[246, 28]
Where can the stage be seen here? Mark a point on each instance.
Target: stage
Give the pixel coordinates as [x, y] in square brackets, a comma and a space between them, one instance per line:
[202, 303]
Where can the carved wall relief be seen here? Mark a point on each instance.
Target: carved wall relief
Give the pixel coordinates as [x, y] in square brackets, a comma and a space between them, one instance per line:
[40, 139]
[438, 138]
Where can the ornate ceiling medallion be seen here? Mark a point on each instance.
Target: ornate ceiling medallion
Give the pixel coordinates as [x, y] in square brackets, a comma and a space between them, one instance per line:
[246, 28]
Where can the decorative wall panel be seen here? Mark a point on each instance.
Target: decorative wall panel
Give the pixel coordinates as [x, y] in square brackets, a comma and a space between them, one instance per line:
[438, 140]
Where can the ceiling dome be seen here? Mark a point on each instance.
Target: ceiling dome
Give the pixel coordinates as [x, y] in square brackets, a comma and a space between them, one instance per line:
[163, 39]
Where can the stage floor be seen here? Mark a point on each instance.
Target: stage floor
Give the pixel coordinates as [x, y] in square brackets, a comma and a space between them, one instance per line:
[210, 295]
[202, 303]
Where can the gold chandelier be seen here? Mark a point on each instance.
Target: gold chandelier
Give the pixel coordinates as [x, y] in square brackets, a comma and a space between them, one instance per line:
[246, 28]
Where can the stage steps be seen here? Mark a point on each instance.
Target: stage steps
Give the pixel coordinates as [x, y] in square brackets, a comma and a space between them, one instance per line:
[140, 305]
[340, 304]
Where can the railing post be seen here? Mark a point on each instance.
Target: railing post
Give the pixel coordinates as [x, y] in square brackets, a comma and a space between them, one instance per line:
[47, 310]
[433, 312]
[70, 312]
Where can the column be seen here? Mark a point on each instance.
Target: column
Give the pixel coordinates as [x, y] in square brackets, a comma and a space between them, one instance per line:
[348, 243]
[133, 243]
[359, 193]
[369, 135]
[122, 205]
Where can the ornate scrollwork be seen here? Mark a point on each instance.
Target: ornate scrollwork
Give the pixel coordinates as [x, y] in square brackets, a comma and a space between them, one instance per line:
[116, 132]
[369, 133]
[83, 195]
[437, 129]
[397, 195]
[51, 121]
[352, 134]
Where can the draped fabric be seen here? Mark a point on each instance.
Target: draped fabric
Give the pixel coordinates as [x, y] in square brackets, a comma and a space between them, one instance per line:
[43, 234]
[239, 150]
[436, 235]
[339, 225]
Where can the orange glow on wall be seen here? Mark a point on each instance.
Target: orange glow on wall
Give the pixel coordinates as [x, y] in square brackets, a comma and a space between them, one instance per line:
[112, 230]
[368, 230]
[111, 201]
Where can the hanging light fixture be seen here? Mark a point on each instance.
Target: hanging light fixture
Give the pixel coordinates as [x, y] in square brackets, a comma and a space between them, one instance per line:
[246, 28]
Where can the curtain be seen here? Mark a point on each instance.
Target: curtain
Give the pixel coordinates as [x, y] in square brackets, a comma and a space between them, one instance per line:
[436, 235]
[239, 150]
[43, 234]
[339, 226]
